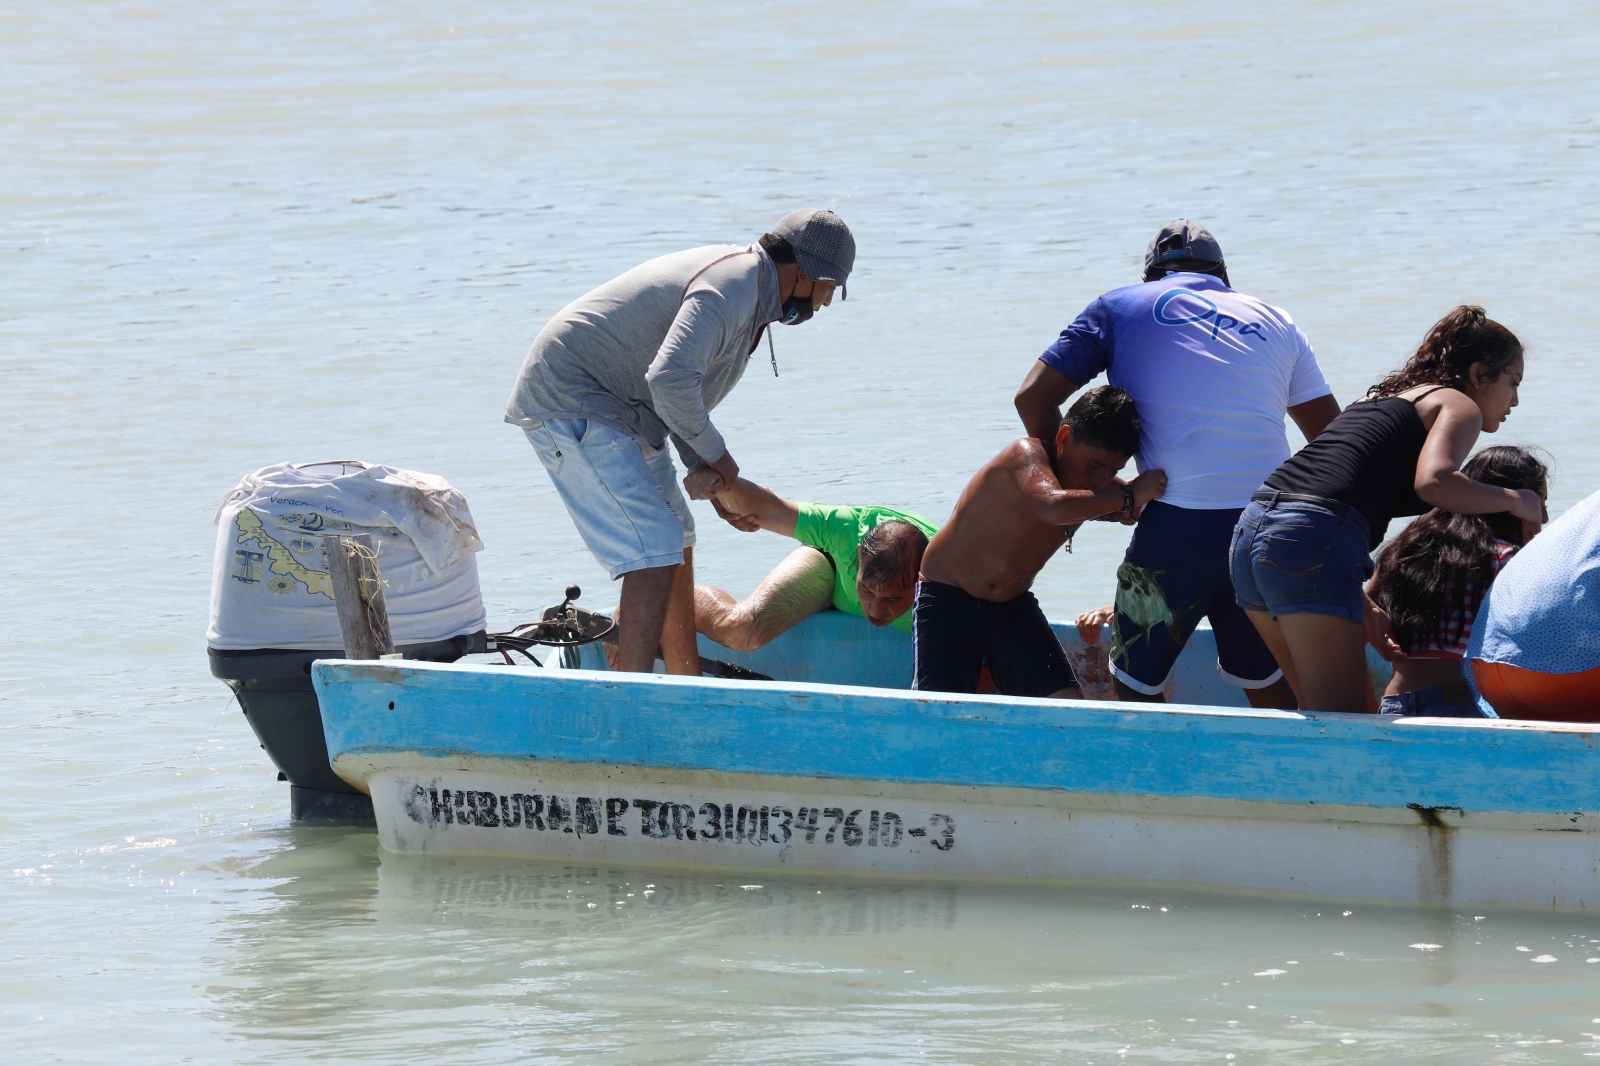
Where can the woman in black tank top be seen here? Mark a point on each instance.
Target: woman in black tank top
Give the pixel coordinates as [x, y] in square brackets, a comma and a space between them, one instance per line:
[1301, 551]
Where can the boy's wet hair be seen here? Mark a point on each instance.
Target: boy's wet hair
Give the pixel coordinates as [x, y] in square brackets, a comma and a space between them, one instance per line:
[891, 551]
[1104, 418]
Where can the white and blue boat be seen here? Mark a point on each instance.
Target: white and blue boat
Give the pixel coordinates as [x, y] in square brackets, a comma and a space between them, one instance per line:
[837, 766]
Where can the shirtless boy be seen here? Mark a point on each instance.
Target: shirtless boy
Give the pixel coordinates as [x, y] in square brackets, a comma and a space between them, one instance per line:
[973, 605]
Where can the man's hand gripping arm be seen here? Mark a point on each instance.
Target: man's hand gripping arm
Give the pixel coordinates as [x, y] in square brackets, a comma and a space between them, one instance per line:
[748, 507]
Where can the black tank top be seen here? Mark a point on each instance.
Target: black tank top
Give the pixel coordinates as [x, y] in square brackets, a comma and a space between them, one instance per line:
[1367, 458]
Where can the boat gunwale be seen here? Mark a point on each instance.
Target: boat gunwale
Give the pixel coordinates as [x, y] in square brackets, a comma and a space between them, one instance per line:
[1077, 746]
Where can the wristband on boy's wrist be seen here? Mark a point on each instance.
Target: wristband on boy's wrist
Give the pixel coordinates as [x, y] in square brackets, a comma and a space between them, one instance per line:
[1127, 500]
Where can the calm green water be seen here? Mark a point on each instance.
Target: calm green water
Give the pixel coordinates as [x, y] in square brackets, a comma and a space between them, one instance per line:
[236, 234]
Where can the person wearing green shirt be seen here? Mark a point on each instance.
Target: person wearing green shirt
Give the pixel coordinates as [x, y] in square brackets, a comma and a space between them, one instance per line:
[859, 560]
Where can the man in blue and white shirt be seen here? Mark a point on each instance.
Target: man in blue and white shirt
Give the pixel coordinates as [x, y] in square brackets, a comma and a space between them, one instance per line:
[1212, 373]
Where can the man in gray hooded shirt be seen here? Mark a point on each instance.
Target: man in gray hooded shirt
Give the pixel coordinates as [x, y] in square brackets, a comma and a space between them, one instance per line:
[647, 356]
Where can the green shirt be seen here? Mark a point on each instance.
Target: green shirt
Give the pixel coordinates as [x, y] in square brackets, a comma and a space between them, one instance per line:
[837, 533]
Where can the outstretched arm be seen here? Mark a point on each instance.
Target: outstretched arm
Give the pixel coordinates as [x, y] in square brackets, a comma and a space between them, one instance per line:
[757, 506]
[676, 375]
[1439, 477]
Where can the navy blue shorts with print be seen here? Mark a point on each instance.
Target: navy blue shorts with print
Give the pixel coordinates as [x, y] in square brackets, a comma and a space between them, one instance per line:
[1176, 573]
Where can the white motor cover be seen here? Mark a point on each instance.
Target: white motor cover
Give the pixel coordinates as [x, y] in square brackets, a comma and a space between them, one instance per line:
[269, 581]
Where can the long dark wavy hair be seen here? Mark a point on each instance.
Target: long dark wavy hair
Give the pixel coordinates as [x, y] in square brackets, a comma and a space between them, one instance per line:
[1465, 336]
[1424, 568]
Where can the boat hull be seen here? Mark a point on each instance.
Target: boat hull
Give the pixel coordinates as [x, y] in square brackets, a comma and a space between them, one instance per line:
[589, 812]
[575, 764]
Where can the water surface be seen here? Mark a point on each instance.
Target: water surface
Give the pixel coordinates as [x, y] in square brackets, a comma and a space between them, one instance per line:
[232, 235]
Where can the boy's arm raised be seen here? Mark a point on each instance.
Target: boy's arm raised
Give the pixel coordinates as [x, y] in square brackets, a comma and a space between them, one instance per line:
[1058, 506]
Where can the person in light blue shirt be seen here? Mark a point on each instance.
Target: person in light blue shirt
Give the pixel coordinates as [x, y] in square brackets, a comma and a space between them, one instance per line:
[1212, 373]
[1535, 648]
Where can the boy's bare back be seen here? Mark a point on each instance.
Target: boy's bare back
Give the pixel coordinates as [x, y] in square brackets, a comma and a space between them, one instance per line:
[1015, 513]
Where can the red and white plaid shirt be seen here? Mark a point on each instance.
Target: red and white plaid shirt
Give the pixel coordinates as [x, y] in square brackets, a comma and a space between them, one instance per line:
[1450, 636]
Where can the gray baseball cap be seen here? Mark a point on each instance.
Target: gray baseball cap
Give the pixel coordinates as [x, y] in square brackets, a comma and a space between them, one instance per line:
[1182, 239]
[822, 243]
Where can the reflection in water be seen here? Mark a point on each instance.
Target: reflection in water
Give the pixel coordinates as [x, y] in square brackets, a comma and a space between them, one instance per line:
[468, 958]
[287, 959]
[488, 891]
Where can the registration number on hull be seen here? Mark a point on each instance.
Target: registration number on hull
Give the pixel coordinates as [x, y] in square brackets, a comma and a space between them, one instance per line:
[447, 810]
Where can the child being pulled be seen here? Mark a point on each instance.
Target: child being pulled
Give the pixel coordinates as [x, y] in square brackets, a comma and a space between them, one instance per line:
[973, 606]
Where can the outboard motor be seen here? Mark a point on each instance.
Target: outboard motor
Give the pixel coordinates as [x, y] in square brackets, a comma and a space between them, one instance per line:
[272, 608]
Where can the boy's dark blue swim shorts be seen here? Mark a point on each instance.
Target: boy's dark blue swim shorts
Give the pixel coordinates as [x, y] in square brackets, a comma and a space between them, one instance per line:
[955, 635]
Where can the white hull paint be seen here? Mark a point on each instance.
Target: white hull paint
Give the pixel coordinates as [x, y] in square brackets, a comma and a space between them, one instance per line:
[468, 804]
[653, 769]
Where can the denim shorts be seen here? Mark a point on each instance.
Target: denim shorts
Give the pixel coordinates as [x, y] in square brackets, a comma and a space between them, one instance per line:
[1297, 557]
[1452, 699]
[622, 495]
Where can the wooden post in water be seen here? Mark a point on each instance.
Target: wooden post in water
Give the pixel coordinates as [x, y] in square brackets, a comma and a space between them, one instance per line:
[358, 596]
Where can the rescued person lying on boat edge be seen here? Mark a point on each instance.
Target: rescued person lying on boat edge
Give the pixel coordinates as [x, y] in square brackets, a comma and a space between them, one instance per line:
[859, 560]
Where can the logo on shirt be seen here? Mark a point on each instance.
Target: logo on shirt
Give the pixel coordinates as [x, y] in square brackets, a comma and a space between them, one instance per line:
[1179, 307]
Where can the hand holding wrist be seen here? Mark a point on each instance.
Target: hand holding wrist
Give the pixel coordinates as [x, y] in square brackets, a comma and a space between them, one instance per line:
[725, 467]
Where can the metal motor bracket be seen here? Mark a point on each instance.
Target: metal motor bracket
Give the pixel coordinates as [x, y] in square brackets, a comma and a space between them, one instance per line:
[566, 626]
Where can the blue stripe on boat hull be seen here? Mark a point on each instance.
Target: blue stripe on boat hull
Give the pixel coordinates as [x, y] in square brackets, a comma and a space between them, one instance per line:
[887, 736]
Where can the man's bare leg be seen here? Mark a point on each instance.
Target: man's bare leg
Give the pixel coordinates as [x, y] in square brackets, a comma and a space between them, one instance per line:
[678, 647]
[1071, 692]
[642, 615]
[1278, 696]
[798, 587]
[1129, 695]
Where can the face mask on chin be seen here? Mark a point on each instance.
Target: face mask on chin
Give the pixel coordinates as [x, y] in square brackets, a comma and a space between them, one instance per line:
[796, 310]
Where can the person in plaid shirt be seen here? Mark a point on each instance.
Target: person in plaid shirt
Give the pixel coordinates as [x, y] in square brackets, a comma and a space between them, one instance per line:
[1430, 581]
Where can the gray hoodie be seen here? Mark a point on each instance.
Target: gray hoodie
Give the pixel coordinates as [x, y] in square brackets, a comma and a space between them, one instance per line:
[653, 351]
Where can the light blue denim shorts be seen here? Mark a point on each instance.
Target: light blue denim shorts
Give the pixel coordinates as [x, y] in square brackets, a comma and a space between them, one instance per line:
[622, 495]
[1300, 557]
[1453, 699]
